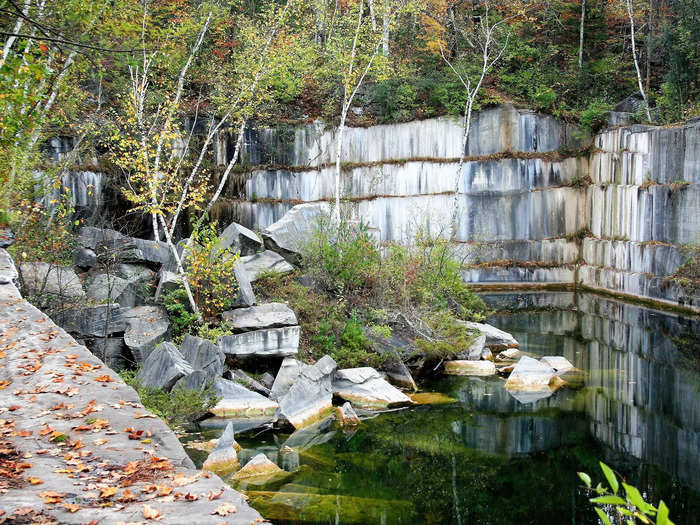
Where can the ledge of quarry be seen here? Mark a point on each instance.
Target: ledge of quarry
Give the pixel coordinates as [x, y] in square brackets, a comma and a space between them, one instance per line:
[77, 445]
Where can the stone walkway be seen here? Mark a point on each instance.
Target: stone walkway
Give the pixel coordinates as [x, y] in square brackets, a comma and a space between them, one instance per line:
[77, 446]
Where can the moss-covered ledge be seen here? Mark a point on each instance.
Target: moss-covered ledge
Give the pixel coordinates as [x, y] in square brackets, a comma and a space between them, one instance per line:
[76, 444]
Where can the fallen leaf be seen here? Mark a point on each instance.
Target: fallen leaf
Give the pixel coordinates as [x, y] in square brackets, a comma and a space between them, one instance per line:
[35, 481]
[225, 509]
[104, 379]
[216, 495]
[127, 496]
[107, 492]
[150, 513]
[51, 496]
[71, 507]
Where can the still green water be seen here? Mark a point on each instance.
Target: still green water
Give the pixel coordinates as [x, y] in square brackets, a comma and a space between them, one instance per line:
[485, 457]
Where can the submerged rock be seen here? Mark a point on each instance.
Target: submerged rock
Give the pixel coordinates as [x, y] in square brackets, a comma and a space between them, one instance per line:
[238, 401]
[267, 261]
[163, 367]
[531, 375]
[465, 367]
[347, 416]
[258, 466]
[269, 315]
[495, 338]
[49, 284]
[365, 387]
[146, 326]
[288, 235]
[310, 396]
[223, 458]
[240, 239]
[275, 342]
[558, 363]
[91, 321]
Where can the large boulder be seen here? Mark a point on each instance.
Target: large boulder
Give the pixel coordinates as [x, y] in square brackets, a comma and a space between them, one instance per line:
[469, 367]
[245, 296]
[275, 342]
[146, 326]
[310, 396]
[7, 237]
[85, 258]
[249, 382]
[198, 380]
[203, 355]
[294, 230]
[49, 284]
[110, 350]
[167, 282]
[558, 362]
[270, 315]
[8, 272]
[475, 350]
[287, 374]
[258, 466]
[91, 321]
[112, 245]
[530, 375]
[365, 387]
[163, 367]
[347, 416]
[495, 338]
[240, 239]
[267, 261]
[223, 458]
[238, 401]
[108, 288]
[394, 349]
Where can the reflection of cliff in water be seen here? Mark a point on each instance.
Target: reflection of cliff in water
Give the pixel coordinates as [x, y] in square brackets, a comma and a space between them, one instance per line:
[642, 392]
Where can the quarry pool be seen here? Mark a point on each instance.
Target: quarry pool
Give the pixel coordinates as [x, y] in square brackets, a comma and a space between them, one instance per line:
[475, 454]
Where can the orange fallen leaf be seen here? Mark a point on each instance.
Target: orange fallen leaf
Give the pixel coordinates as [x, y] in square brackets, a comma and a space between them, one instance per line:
[51, 496]
[225, 509]
[13, 408]
[35, 481]
[4, 384]
[150, 513]
[127, 496]
[107, 492]
[71, 507]
[104, 379]
[216, 495]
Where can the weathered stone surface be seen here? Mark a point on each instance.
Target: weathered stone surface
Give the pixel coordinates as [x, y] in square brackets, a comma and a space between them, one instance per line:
[85, 258]
[7, 237]
[111, 243]
[394, 348]
[146, 326]
[245, 296]
[238, 401]
[249, 382]
[473, 353]
[495, 338]
[486, 354]
[240, 239]
[287, 374]
[134, 272]
[95, 321]
[8, 272]
[107, 288]
[347, 416]
[267, 379]
[50, 285]
[269, 315]
[110, 350]
[470, 368]
[259, 466]
[275, 342]
[223, 458]
[557, 362]
[203, 355]
[508, 355]
[167, 282]
[197, 380]
[365, 387]
[288, 235]
[530, 374]
[25, 329]
[398, 372]
[267, 261]
[310, 396]
[163, 367]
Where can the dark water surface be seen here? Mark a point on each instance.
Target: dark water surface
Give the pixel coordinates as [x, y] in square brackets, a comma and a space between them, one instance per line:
[487, 458]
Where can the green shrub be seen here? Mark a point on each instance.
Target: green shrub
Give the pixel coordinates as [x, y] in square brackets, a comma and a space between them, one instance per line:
[449, 337]
[181, 317]
[178, 407]
[595, 116]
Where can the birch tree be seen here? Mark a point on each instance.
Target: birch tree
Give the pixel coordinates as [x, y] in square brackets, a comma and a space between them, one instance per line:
[485, 39]
[630, 14]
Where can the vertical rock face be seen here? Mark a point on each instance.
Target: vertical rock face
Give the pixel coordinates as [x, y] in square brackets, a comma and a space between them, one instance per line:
[614, 219]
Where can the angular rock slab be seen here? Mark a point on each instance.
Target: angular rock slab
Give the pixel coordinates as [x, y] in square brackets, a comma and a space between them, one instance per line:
[105, 242]
[473, 353]
[258, 466]
[245, 296]
[49, 284]
[558, 362]
[146, 326]
[91, 321]
[347, 416]
[224, 457]
[198, 380]
[267, 261]
[7, 237]
[287, 374]
[167, 282]
[508, 355]
[495, 338]
[8, 272]
[106, 288]
[269, 315]
[203, 355]
[163, 367]
[238, 401]
[110, 350]
[467, 367]
[310, 397]
[249, 382]
[240, 239]
[364, 387]
[530, 375]
[288, 235]
[275, 342]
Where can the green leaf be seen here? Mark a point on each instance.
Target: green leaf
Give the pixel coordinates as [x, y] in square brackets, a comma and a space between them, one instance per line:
[609, 500]
[634, 497]
[585, 478]
[662, 516]
[603, 516]
[610, 476]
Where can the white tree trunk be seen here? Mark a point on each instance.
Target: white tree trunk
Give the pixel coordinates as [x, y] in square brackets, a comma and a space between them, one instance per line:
[636, 62]
[385, 28]
[580, 35]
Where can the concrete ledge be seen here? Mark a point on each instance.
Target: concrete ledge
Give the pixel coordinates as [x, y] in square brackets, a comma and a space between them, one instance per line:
[82, 433]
